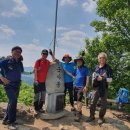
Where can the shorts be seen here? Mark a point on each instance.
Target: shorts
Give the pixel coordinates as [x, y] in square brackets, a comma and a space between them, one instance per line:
[78, 94]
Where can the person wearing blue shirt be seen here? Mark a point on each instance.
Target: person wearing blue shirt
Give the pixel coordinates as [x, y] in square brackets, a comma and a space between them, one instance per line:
[68, 77]
[11, 69]
[80, 84]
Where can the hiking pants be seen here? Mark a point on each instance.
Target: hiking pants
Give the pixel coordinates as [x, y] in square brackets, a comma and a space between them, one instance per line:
[12, 93]
[95, 98]
[69, 87]
[39, 96]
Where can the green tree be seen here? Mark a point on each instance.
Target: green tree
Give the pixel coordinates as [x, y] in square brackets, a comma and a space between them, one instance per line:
[115, 40]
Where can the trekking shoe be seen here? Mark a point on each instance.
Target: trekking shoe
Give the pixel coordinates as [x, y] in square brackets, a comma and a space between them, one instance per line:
[42, 111]
[90, 119]
[101, 121]
[78, 116]
[73, 109]
[6, 122]
[12, 127]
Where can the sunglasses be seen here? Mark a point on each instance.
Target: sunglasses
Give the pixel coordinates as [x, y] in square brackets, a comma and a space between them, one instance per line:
[45, 54]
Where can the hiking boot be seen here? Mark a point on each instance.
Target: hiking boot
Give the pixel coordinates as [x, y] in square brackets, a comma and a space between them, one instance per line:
[12, 127]
[90, 119]
[78, 116]
[42, 111]
[5, 122]
[73, 109]
[101, 121]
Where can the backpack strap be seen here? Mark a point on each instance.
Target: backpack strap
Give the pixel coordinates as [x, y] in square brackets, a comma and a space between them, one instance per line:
[39, 62]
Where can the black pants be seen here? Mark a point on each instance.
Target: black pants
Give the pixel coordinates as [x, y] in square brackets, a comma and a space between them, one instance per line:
[69, 88]
[39, 97]
[95, 98]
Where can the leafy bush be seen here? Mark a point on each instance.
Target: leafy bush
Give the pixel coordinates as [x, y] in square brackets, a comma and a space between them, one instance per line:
[26, 94]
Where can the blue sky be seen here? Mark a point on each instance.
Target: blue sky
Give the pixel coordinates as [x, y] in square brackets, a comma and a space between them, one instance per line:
[30, 24]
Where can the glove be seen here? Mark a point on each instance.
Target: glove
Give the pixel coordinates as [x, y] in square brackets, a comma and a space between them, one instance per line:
[50, 52]
[83, 53]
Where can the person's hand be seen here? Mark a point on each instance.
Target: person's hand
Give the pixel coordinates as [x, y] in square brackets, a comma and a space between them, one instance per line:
[50, 52]
[85, 90]
[99, 78]
[69, 74]
[73, 77]
[35, 82]
[5, 81]
[83, 53]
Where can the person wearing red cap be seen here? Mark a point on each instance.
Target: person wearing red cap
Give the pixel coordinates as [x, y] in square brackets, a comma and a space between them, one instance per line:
[68, 67]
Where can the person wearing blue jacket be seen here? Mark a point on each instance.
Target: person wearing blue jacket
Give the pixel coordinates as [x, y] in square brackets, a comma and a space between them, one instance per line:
[81, 82]
[11, 69]
[68, 67]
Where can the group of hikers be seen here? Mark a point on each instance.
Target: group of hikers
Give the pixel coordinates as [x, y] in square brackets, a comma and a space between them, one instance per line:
[76, 79]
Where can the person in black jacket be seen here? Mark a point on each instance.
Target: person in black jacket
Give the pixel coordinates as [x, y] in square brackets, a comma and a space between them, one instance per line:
[102, 76]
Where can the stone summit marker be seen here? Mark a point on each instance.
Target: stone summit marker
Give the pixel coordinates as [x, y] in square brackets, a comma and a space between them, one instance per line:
[55, 92]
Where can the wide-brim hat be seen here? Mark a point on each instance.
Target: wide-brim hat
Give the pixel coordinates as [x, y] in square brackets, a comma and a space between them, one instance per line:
[66, 56]
[79, 58]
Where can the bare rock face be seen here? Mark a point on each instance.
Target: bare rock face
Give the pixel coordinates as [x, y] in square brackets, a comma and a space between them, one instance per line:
[23, 111]
[26, 121]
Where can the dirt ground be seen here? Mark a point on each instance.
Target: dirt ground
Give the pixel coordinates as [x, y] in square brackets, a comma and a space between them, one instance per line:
[26, 121]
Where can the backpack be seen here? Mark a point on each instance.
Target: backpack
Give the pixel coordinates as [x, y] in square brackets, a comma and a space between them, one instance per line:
[122, 96]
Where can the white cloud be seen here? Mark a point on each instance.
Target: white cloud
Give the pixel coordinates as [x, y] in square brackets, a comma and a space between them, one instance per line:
[82, 26]
[68, 2]
[72, 39]
[89, 5]
[60, 28]
[31, 52]
[16, 10]
[6, 31]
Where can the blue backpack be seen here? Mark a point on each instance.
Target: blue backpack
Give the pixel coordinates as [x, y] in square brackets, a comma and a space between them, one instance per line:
[122, 96]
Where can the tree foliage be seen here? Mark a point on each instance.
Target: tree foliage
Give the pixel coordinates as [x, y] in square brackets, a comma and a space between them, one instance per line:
[115, 40]
[26, 94]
